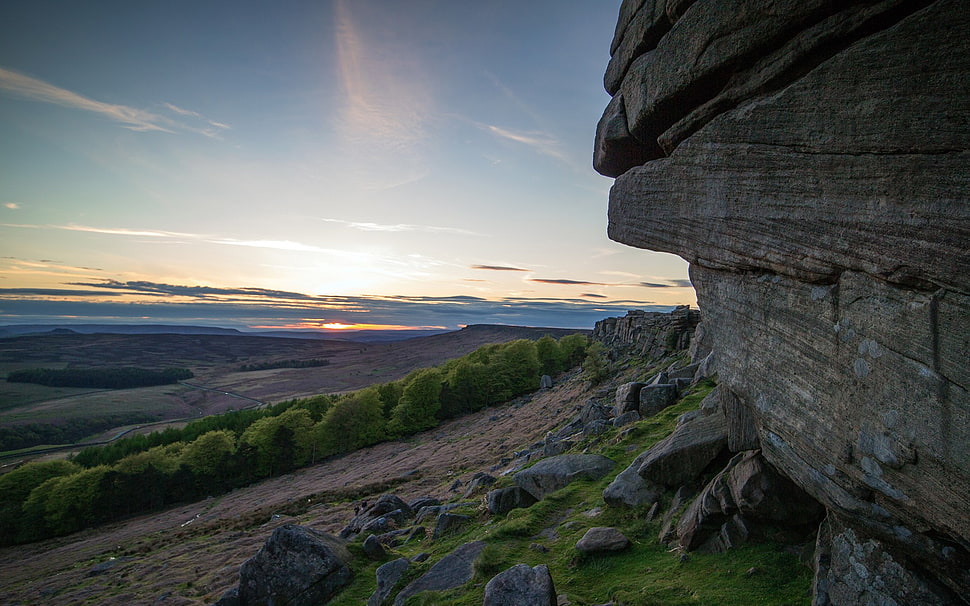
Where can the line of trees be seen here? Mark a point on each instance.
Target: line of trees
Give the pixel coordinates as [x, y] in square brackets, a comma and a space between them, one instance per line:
[315, 362]
[218, 453]
[122, 377]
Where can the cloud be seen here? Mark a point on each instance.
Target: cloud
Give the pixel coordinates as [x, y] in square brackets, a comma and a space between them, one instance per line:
[654, 285]
[250, 307]
[593, 295]
[498, 268]
[682, 283]
[38, 90]
[540, 142]
[401, 227]
[132, 118]
[12, 206]
[567, 282]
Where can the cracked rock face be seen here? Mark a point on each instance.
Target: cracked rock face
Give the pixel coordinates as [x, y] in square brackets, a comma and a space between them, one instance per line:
[812, 162]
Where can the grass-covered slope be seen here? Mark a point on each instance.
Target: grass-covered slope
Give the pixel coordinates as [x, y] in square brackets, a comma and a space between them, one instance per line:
[646, 573]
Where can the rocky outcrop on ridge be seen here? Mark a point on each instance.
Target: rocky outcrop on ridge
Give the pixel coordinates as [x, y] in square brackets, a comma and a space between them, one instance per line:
[810, 160]
[648, 334]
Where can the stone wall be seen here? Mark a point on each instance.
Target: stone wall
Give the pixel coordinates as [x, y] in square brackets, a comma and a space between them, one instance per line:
[811, 160]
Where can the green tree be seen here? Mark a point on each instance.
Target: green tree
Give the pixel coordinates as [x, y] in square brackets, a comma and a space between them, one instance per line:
[16, 486]
[281, 443]
[573, 349]
[466, 388]
[550, 356]
[68, 503]
[515, 369]
[207, 455]
[390, 394]
[355, 421]
[419, 403]
[596, 365]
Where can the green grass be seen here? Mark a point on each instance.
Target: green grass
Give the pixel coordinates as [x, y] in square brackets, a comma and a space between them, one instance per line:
[648, 573]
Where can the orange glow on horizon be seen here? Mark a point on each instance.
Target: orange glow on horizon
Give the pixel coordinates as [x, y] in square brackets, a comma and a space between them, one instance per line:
[342, 326]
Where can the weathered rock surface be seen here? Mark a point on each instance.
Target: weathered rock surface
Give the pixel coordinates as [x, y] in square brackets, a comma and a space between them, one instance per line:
[628, 397]
[649, 334]
[816, 174]
[685, 453]
[453, 570]
[521, 585]
[654, 398]
[552, 474]
[503, 500]
[601, 538]
[748, 492]
[296, 566]
[388, 576]
[629, 489]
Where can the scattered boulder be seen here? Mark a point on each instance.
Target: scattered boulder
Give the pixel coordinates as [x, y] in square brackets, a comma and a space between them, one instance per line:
[628, 397]
[600, 538]
[503, 500]
[656, 397]
[597, 427]
[448, 522]
[385, 514]
[373, 549]
[629, 489]
[479, 482]
[552, 474]
[545, 382]
[420, 502]
[388, 576]
[626, 418]
[684, 454]
[297, 566]
[453, 570]
[667, 530]
[555, 447]
[593, 411]
[521, 585]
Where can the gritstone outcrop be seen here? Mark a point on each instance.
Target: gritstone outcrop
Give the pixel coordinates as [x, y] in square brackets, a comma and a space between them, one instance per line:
[811, 159]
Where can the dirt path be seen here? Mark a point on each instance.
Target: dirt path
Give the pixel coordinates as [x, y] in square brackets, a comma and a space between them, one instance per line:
[191, 554]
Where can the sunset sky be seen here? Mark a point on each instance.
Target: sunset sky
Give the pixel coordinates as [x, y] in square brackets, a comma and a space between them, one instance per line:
[301, 164]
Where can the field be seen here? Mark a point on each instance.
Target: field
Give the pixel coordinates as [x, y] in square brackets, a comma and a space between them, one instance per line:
[69, 415]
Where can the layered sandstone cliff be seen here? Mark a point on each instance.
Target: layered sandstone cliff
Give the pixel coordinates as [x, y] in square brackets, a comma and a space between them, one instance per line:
[811, 159]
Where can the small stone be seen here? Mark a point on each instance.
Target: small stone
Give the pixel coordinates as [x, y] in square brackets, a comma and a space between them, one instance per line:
[600, 538]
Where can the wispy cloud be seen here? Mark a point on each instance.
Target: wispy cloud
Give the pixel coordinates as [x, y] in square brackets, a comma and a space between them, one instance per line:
[38, 90]
[682, 283]
[498, 268]
[251, 307]
[11, 205]
[567, 282]
[592, 295]
[132, 118]
[540, 142]
[401, 227]
[113, 231]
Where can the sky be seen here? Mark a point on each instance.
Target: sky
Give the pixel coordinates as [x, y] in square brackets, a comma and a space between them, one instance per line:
[359, 163]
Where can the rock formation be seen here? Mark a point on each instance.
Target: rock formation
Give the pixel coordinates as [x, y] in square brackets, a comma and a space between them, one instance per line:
[811, 160]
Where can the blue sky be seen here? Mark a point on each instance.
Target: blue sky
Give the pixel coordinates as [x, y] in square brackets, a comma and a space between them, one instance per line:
[311, 163]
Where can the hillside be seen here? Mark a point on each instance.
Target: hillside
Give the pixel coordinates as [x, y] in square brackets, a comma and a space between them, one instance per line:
[218, 384]
[191, 554]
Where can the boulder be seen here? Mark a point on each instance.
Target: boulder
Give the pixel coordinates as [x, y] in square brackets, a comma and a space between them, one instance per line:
[629, 489]
[503, 500]
[448, 522]
[656, 397]
[747, 493]
[684, 454]
[626, 418]
[420, 502]
[478, 483]
[385, 514]
[297, 566]
[552, 474]
[521, 585]
[628, 397]
[593, 411]
[373, 549]
[597, 427]
[600, 538]
[453, 570]
[545, 382]
[388, 576]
